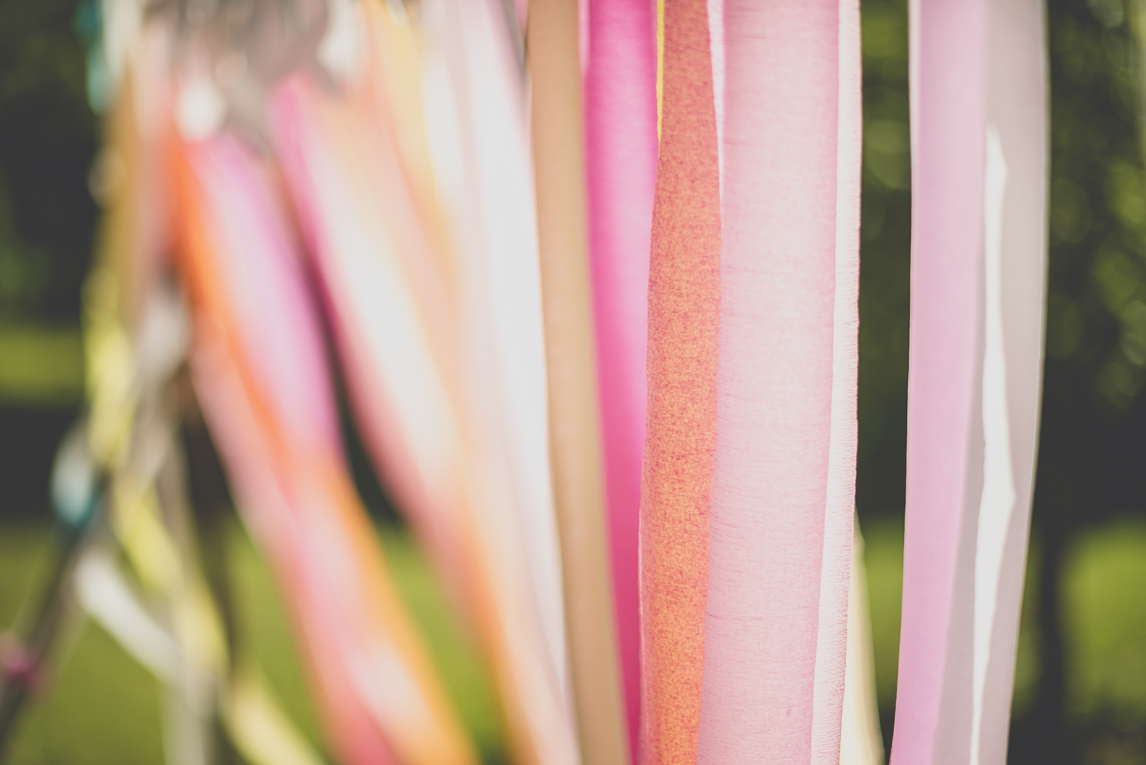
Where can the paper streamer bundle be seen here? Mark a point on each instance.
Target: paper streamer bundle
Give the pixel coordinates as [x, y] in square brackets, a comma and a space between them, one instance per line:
[480, 147]
[979, 165]
[265, 393]
[592, 288]
[398, 320]
[747, 550]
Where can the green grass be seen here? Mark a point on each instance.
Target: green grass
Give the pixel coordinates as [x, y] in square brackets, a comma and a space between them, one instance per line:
[41, 364]
[1104, 592]
[101, 707]
[466, 678]
[883, 557]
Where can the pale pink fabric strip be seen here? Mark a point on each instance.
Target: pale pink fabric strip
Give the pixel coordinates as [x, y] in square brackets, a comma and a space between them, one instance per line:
[944, 440]
[621, 138]
[775, 381]
[840, 507]
[1017, 215]
[476, 105]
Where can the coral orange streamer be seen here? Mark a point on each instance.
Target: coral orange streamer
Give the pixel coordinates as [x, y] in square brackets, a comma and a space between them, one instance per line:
[684, 316]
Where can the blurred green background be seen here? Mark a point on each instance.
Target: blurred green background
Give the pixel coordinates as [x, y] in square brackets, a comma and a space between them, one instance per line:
[1080, 693]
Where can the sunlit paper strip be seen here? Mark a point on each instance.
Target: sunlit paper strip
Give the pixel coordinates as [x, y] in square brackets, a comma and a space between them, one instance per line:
[621, 152]
[838, 574]
[978, 262]
[574, 428]
[684, 316]
[1015, 288]
[783, 488]
[861, 742]
[479, 140]
[259, 369]
[411, 403]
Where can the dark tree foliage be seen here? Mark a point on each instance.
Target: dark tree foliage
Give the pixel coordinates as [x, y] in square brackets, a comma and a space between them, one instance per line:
[47, 216]
[47, 141]
[884, 271]
[1093, 440]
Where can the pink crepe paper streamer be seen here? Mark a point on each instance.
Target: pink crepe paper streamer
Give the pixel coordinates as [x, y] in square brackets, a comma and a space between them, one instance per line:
[781, 519]
[948, 132]
[621, 137]
[978, 263]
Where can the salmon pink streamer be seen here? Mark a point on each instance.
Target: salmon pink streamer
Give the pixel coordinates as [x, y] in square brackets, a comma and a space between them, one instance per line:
[779, 407]
[621, 138]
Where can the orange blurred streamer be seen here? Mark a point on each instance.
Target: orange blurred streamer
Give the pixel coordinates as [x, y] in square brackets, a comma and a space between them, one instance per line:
[259, 371]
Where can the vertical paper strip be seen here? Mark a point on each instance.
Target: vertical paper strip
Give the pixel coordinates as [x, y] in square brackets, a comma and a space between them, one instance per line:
[558, 154]
[775, 418]
[621, 142]
[945, 440]
[840, 510]
[861, 742]
[680, 442]
[1016, 255]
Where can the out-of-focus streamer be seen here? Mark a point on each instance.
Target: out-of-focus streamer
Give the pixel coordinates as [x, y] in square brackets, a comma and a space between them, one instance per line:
[397, 328]
[259, 369]
[979, 164]
[680, 441]
[621, 156]
[475, 107]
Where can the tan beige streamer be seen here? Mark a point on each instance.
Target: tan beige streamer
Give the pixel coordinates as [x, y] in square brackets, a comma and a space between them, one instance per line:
[558, 155]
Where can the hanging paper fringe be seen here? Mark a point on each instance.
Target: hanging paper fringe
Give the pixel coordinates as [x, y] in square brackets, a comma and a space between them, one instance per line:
[978, 269]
